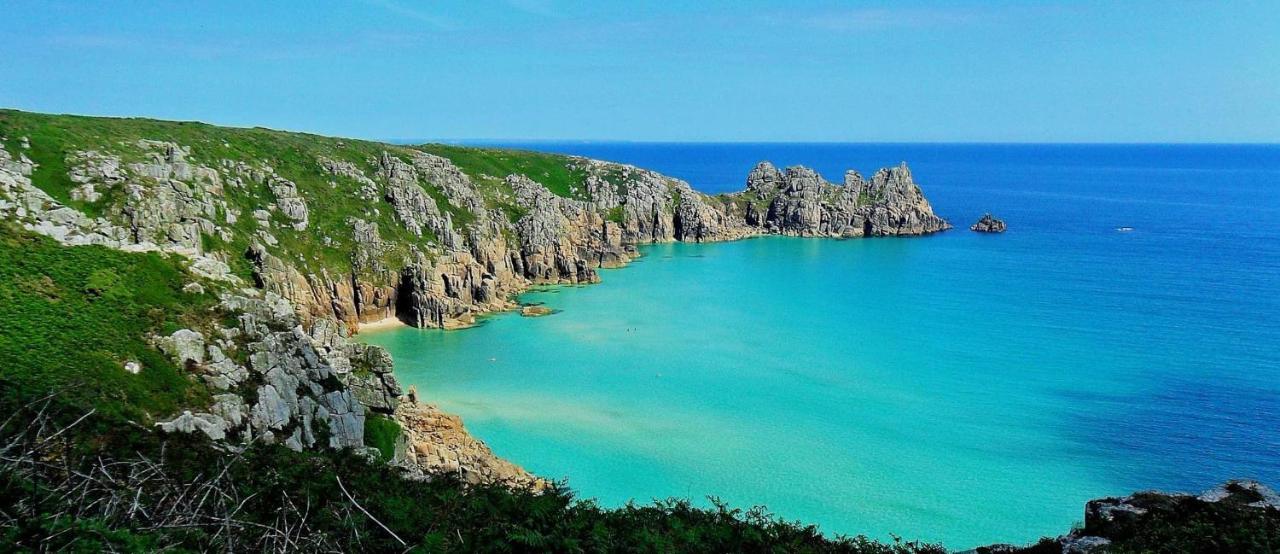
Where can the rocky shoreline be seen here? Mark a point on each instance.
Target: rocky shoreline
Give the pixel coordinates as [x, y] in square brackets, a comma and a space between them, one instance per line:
[466, 244]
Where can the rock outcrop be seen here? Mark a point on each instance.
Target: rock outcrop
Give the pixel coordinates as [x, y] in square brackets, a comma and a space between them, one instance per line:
[799, 202]
[302, 390]
[1115, 520]
[142, 223]
[438, 443]
[988, 224]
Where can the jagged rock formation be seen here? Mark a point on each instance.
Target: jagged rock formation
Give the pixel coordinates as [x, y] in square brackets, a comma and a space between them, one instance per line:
[304, 388]
[135, 231]
[535, 311]
[988, 224]
[799, 202]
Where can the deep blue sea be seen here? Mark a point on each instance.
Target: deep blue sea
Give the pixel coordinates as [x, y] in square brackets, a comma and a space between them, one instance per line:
[960, 387]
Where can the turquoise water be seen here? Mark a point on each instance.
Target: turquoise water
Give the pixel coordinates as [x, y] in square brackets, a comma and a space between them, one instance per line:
[959, 387]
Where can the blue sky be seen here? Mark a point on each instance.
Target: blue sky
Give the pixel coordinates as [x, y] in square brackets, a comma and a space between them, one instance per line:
[701, 71]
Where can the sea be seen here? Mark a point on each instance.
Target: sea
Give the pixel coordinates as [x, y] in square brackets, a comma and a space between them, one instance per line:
[963, 388]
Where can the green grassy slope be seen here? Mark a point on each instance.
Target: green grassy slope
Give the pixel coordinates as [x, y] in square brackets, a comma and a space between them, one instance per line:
[73, 317]
[331, 200]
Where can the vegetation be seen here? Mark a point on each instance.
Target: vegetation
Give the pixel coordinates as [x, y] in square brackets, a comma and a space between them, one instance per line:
[382, 432]
[489, 166]
[73, 317]
[614, 214]
[331, 200]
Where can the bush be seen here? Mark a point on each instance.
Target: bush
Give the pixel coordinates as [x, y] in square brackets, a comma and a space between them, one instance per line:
[382, 432]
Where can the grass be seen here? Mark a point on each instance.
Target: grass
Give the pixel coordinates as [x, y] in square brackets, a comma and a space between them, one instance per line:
[73, 317]
[382, 432]
[553, 171]
[614, 214]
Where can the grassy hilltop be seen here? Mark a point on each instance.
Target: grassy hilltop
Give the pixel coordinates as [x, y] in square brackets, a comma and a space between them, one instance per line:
[293, 155]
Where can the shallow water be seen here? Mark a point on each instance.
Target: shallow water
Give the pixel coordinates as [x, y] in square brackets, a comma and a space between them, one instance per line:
[959, 387]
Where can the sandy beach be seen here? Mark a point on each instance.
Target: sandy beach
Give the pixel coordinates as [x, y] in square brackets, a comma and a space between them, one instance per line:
[382, 324]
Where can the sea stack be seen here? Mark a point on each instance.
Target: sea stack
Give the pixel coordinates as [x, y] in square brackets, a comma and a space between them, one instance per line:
[988, 224]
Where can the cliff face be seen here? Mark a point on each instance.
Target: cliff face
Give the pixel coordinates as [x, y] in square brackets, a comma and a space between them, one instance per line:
[329, 233]
[548, 238]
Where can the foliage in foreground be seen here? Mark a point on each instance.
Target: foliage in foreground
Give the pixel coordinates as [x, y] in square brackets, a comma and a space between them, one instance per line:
[82, 469]
[60, 490]
[1175, 524]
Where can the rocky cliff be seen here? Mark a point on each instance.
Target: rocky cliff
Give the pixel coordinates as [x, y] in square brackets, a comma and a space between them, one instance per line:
[799, 202]
[308, 237]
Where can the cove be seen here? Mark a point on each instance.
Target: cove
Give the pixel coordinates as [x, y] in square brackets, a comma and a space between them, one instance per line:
[960, 388]
[955, 387]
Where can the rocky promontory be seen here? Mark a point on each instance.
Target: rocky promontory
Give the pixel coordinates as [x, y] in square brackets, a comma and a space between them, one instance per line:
[800, 202]
[309, 237]
[988, 224]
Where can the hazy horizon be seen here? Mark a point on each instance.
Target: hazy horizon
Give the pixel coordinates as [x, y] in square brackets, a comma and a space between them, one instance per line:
[517, 141]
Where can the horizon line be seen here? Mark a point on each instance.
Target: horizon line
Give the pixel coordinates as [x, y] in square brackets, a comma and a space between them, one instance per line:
[500, 141]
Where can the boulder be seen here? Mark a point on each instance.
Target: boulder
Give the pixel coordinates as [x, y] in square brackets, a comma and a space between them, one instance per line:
[184, 346]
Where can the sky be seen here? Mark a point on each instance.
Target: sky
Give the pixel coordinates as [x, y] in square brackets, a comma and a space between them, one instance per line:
[743, 70]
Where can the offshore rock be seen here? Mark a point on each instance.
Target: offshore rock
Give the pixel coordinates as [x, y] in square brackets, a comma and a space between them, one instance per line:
[988, 224]
[535, 311]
